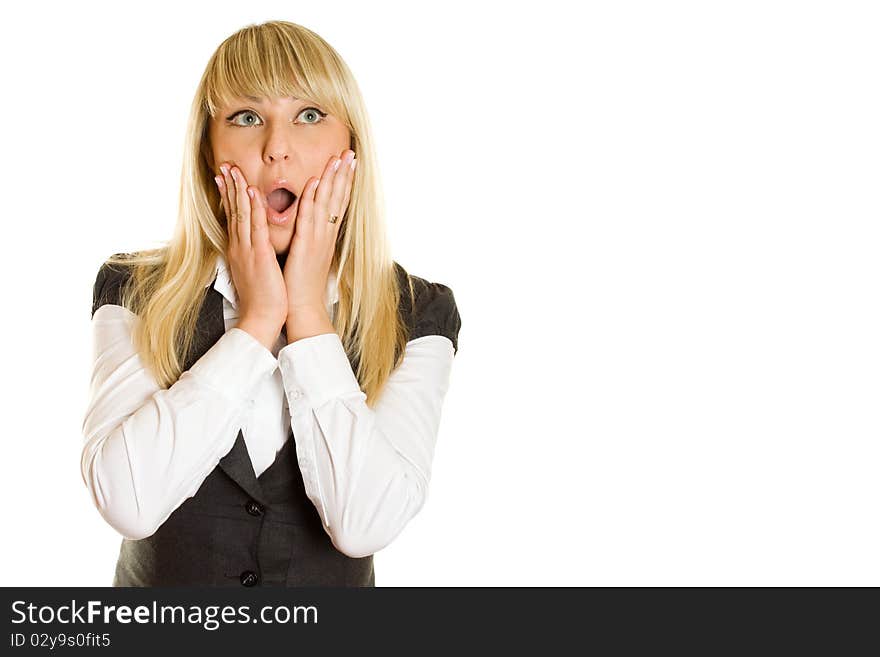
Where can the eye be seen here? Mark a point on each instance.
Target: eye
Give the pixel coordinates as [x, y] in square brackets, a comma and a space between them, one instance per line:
[242, 113]
[312, 111]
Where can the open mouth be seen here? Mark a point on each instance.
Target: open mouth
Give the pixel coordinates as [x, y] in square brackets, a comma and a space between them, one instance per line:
[280, 199]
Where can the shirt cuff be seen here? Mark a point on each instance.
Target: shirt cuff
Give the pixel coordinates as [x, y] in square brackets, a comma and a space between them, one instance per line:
[235, 364]
[315, 370]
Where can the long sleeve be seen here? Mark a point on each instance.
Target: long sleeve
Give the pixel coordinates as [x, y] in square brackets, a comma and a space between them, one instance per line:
[147, 449]
[367, 470]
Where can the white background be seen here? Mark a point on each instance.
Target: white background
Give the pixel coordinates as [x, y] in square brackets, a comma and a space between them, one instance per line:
[660, 222]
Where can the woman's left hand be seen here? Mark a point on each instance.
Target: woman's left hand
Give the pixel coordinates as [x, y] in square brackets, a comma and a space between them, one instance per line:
[314, 238]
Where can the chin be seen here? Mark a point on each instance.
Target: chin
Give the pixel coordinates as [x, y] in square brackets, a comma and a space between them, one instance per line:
[281, 250]
[281, 243]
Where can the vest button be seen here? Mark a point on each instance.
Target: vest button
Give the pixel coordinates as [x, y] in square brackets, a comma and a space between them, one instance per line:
[248, 578]
[254, 508]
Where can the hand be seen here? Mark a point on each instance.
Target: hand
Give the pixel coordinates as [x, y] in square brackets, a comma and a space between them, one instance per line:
[259, 283]
[314, 239]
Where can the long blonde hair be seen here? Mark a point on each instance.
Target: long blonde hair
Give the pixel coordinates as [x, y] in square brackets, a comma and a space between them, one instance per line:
[166, 286]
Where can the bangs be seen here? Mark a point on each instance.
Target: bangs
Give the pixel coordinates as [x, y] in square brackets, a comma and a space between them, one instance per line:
[266, 63]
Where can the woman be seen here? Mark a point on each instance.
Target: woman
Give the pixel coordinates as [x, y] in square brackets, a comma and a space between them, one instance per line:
[267, 387]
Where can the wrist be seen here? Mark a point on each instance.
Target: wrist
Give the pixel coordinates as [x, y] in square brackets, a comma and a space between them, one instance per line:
[306, 322]
[266, 334]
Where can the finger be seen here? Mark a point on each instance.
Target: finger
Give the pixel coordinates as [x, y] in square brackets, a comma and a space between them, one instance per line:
[349, 186]
[306, 209]
[228, 198]
[243, 207]
[230, 224]
[221, 188]
[341, 183]
[228, 185]
[259, 220]
[322, 196]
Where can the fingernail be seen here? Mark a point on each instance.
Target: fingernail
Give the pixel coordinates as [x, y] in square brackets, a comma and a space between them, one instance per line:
[353, 164]
[250, 192]
[219, 181]
[336, 164]
[225, 170]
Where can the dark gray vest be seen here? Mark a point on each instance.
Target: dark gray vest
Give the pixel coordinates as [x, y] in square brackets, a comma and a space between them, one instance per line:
[243, 530]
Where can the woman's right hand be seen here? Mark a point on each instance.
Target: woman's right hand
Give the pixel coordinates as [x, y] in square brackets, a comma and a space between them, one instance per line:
[258, 279]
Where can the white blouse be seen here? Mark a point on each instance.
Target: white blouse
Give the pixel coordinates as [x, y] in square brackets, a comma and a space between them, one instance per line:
[147, 449]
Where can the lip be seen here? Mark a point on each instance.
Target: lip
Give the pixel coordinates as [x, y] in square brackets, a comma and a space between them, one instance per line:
[281, 218]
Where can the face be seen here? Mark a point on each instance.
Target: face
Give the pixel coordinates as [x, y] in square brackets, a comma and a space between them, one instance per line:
[278, 138]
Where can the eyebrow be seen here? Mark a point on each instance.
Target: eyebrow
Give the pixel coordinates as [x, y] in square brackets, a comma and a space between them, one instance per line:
[260, 100]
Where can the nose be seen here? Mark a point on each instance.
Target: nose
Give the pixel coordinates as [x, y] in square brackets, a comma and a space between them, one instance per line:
[277, 147]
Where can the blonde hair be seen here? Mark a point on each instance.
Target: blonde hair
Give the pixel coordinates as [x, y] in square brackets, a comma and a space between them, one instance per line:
[167, 286]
